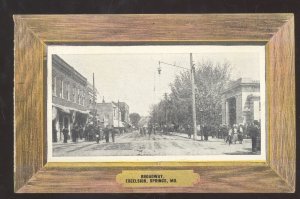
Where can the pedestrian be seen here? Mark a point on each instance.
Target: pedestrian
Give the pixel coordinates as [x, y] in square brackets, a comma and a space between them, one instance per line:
[235, 134]
[253, 131]
[73, 133]
[76, 133]
[205, 132]
[80, 132]
[229, 137]
[114, 132]
[106, 133]
[54, 133]
[240, 134]
[65, 133]
[149, 130]
[189, 131]
[97, 134]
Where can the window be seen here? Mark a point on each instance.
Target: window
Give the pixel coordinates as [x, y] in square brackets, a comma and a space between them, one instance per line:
[61, 94]
[74, 97]
[83, 98]
[54, 86]
[78, 95]
[60, 89]
[68, 91]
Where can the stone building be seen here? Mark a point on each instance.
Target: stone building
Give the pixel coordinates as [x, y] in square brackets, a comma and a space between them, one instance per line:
[69, 98]
[241, 102]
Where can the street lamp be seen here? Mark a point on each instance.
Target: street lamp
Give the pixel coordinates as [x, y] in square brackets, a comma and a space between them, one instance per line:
[192, 72]
[159, 68]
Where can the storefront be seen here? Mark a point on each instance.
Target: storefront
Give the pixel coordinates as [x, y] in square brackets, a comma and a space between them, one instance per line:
[63, 117]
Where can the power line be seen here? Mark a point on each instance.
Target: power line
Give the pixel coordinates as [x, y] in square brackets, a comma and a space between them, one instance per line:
[173, 65]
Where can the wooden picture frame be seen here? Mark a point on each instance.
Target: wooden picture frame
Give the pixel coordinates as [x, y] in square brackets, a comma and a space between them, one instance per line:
[33, 174]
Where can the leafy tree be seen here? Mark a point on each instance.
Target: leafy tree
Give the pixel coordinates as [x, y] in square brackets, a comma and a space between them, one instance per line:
[134, 118]
[210, 81]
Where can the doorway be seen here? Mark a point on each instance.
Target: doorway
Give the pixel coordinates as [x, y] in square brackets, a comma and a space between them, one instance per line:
[232, 110]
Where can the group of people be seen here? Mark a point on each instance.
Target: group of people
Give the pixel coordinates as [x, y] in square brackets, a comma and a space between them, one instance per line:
[108, 131]
[235, 134]
[148, 130]
[231, 135]
[90, 132]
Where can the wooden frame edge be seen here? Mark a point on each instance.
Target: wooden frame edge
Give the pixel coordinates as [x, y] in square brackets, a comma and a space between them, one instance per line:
[43, 43]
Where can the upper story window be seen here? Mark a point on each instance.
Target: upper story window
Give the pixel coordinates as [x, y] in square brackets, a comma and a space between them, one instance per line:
[62, 89]
[73, 93]
[68, 91]
[54, 86]
[78, 96]
[83, 98]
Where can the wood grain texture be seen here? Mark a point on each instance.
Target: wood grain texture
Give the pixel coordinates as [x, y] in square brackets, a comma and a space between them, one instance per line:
[102, 180]
[29, 104]
[170, 27]
[34, 32]
[281, 95]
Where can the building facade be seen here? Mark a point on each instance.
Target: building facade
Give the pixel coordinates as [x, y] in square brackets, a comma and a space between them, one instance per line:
[241, 102]
[124, 108]
[109, 114]
[69, 98]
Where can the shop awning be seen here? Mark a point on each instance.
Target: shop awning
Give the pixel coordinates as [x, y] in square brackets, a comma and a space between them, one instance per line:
[62, 108]
[68, 109]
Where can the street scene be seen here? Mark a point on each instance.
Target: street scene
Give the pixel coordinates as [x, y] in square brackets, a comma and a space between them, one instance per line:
[156, 104]
[135, 144]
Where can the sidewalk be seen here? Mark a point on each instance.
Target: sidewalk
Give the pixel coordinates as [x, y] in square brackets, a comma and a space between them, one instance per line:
[184, 135]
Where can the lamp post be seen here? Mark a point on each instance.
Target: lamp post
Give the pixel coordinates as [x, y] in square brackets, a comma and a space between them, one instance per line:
[192, 73]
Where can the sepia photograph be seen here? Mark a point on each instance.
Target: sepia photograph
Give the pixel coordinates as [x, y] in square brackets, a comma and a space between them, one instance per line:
[172, 102]
[154, 103]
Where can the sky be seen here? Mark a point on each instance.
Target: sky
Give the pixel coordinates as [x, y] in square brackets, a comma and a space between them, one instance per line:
[130, 74]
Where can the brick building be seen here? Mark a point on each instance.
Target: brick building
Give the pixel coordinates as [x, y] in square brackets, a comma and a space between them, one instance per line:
[241, 102]
[69, 97]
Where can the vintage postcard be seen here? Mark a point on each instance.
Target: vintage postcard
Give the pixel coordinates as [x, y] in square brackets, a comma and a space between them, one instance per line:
[156, 103]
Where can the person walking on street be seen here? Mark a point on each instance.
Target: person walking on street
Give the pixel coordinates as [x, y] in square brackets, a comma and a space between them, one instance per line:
[114, 131]
[240, 134]
[253, 131]
[229, 137]
[235, 134]
[189, 131]
[205, 132]
[106, 134]
[97, 134]
[149, 131]
[65, 133]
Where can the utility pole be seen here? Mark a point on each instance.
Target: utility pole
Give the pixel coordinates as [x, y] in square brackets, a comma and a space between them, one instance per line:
[94, 103]
[118, 113]
[193, 96]
[192, 69]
